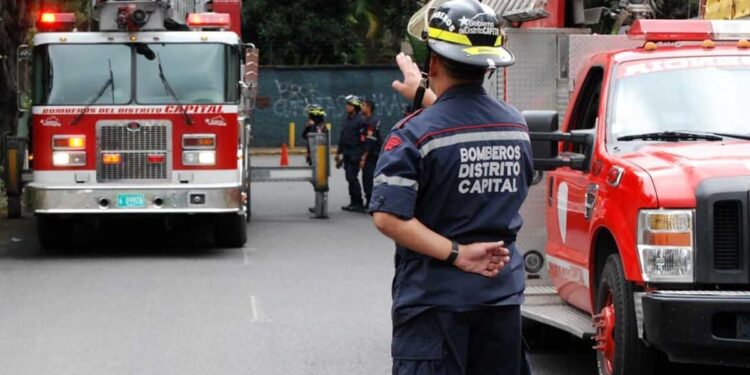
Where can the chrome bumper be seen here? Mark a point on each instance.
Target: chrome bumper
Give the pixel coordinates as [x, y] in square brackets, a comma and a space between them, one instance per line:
[157, 199]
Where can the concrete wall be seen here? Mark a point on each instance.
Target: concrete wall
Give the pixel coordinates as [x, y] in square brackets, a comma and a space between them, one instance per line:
[285, 91]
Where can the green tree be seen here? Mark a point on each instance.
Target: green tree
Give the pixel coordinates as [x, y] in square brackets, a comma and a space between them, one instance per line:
[381, 26]
[309, 32]
[15, 21]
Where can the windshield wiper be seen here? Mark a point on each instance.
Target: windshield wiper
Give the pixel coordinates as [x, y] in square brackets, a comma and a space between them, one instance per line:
[171, 92]
[672, 136]
[110, 82]
[732, 135]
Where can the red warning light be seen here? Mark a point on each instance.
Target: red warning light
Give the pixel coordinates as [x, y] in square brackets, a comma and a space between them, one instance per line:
[56, 21]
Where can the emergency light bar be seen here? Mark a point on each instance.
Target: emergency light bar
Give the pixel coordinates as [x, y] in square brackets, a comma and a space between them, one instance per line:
[56, 22]
[209, 20]
[688, 30]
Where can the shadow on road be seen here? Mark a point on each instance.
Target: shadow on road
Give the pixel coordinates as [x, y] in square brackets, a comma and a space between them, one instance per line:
[117, 238]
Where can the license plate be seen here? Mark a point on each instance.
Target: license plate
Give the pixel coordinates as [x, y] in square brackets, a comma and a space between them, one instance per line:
[131, 201]
[743, 327]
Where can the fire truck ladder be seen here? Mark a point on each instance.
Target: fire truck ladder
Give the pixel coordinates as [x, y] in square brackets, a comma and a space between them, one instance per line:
[317, 174]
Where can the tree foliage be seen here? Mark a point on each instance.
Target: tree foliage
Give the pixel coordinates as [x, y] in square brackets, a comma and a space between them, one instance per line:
[309, 32]
[15, 21]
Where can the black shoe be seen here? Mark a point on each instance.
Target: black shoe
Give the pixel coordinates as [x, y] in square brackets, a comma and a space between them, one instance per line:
[359, 209]
[349, 208]
[311, 209]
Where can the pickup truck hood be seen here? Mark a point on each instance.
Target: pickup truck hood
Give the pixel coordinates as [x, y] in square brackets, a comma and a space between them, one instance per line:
[676, 169]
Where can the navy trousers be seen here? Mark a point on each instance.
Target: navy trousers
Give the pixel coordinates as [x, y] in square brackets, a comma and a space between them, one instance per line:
[482, 342]
[368, 174]
[351, 168]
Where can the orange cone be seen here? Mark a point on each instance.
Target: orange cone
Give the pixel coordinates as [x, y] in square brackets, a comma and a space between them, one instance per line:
[284, 156]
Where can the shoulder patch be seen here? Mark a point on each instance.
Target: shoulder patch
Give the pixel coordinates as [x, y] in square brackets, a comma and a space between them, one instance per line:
[392, 142]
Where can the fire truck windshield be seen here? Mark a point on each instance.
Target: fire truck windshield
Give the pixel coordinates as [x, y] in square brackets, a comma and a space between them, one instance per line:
[73, 74]
[698, 95]
[196, 72]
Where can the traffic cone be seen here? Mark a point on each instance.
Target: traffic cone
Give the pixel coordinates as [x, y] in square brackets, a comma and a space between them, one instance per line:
[284, 156]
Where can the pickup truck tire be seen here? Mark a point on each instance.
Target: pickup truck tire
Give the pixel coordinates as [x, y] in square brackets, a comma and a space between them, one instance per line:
[230, 230]
[621, 351]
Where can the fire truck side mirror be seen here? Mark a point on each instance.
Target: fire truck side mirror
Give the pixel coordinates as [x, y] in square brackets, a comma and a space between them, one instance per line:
[23, 78]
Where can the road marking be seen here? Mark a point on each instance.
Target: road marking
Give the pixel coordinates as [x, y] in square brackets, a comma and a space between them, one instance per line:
[255, 312]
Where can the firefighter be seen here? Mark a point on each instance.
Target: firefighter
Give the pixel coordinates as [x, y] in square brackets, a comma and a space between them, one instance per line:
[373, 143]
[316, 116]
[449, 184]
[351, 141]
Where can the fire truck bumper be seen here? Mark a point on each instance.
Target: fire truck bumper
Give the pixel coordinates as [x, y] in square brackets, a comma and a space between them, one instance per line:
[135, 199]
[707, 327]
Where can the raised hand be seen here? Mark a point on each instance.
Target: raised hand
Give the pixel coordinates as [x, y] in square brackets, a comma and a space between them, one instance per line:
[412, 77]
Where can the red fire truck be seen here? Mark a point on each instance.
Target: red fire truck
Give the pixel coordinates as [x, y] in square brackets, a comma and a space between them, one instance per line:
[646, 200]
[145, 117]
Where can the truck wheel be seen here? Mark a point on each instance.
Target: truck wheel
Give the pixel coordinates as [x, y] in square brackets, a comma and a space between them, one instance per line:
[619, 351]
[52, 231]
[15, 207]
[230, 230]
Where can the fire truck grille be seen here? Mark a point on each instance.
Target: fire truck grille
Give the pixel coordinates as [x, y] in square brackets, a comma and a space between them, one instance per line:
[133, 150]
[727, 235]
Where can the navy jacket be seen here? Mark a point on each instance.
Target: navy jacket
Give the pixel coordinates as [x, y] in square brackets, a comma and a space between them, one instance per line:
[351, 139]
[374, 138]
[463, 168]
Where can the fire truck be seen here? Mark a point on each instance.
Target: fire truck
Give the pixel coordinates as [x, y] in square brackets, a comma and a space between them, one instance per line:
[646, 202]
[146, 117]
[636, 230]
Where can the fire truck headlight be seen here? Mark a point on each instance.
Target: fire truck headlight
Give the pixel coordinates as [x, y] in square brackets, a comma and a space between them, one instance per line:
[665, 245]
[68, 159]
[199, 158]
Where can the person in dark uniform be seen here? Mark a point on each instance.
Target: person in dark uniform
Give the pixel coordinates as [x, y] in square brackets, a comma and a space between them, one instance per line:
[373, 143]
[316, 117]
[351, 141]
[449, 184]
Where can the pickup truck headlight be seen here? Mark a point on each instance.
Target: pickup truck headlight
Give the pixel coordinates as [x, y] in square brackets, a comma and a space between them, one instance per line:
[666, 246]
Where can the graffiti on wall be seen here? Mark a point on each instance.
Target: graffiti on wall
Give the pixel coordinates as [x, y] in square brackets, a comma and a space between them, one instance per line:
[284, 94]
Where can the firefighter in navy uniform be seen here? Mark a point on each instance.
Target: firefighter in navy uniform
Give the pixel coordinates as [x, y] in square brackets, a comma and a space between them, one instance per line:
[373, 143]
[448, 188]
[349, 153]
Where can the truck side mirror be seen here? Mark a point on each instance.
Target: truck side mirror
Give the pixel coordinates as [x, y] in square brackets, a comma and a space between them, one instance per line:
[544, 122]
[545, 140]
[23, 77]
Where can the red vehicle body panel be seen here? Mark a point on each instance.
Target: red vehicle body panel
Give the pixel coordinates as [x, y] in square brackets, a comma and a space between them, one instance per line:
[654, 176]
[227, 137]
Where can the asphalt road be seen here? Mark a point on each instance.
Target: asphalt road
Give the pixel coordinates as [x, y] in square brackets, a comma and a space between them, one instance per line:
[303, 296]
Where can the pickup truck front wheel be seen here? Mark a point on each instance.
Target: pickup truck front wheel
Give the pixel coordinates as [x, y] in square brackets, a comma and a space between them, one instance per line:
[619, 351]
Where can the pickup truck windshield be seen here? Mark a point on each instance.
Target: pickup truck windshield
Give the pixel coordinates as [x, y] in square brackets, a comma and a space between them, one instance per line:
[702, 95]
[74, 74]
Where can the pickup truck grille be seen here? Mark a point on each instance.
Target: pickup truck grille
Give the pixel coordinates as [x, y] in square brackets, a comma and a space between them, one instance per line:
[143, 148]
[727, 235]
[722, 231]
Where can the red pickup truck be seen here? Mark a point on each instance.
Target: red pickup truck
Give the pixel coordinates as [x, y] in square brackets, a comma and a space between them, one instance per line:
[647, 199]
